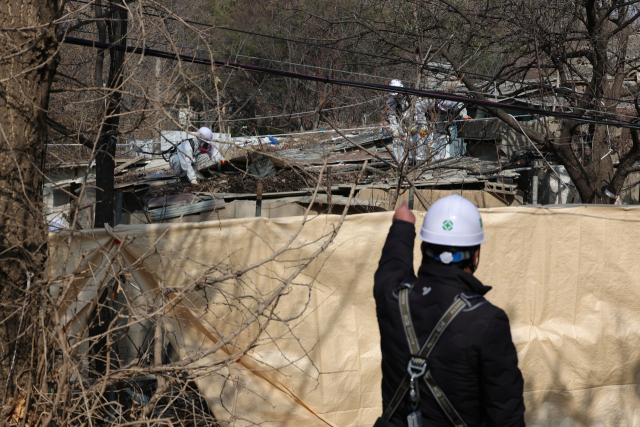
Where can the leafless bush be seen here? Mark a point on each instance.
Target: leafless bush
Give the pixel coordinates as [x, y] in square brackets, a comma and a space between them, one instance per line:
[83, 341]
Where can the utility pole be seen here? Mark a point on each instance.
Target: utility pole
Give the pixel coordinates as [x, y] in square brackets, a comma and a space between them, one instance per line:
[103, 314]
[106, 150]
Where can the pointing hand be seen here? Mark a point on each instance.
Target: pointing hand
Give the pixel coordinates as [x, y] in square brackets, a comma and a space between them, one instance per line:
[403, 213]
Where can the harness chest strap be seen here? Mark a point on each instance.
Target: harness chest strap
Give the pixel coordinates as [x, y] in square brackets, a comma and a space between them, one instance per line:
[174, 149]
[423, 353]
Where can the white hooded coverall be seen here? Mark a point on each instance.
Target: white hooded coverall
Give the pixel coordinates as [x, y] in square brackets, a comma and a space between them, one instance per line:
[421, 134]
[395, 117]
[440, 138]
[184, 161]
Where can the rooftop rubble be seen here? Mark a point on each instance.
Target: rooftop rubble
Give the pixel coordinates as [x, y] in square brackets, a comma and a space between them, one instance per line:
[288, 172]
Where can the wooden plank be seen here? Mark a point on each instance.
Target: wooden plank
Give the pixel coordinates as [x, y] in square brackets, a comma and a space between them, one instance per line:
[151, 182]
[242, 196]
[128, 163]
[310, 190]
[342, 200]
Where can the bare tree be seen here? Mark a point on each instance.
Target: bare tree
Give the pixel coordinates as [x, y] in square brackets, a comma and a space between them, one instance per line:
[28, 60]
[61, 331]
[579, 47]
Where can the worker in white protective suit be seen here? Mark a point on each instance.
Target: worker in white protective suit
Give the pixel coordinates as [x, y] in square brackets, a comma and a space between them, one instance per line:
[447, 112]
[184, 160]
[397, 107]
[422, 130]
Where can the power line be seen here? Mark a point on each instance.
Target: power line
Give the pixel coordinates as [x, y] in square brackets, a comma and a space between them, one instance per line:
[539, 103]
[372, 55]
[362, 85]
[515, 98]
[253, 57]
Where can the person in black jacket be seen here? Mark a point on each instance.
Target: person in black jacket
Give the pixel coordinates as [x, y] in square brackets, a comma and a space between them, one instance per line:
[474, 362]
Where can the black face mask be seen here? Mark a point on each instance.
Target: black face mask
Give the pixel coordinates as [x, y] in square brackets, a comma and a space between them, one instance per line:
[205, 147]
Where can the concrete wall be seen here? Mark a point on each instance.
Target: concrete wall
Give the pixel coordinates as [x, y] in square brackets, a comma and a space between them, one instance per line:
[57, 206]
[552, 192]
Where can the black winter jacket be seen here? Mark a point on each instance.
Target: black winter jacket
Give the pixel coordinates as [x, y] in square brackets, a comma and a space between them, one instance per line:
[474, 362]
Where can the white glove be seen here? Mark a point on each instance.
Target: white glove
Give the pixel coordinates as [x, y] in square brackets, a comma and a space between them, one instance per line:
[193, 181]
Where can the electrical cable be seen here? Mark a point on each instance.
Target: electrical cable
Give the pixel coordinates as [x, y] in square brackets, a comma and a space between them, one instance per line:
[372, 55]
[524, 100]
[535, 102]
[527, 100]
[362, 85]
[252, 57]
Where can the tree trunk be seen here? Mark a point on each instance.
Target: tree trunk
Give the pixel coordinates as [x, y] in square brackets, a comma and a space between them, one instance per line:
[27, 67]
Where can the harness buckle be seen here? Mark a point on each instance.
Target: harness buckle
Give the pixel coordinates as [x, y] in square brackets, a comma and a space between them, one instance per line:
[417, 367]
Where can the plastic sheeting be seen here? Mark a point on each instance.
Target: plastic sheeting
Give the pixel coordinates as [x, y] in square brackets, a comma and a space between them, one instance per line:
[567, 277]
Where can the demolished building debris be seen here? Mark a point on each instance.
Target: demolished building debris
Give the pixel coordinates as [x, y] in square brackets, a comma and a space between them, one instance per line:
[497, 163]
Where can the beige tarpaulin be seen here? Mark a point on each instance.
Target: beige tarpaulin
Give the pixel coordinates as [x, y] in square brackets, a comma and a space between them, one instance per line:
[568, 278]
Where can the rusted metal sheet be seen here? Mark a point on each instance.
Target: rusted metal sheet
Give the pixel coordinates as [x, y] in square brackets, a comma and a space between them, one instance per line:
[173, 212]
[171, 199]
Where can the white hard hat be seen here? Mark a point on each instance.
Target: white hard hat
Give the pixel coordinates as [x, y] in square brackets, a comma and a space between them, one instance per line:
[395, 83]
[205, 133]
[453, 221]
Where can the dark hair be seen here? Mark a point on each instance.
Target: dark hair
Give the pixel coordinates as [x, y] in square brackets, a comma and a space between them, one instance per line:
[438, 249]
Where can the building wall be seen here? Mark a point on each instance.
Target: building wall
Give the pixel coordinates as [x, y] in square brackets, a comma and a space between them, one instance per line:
[496, 132]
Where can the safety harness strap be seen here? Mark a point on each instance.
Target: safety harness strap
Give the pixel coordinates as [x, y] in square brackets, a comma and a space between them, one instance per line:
[422, 354]
[174, 149]
[444, 403]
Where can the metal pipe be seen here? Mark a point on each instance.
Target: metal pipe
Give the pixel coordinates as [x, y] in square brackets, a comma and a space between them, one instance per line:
[534, 188]
[329, 201]
[118, 207]
[411, 194]
[259, 200]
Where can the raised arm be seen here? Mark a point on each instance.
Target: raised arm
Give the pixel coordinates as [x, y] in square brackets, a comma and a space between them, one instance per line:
[396, 262]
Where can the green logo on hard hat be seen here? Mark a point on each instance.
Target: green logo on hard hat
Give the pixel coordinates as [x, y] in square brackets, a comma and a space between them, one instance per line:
[481, 223]
[447, 225]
